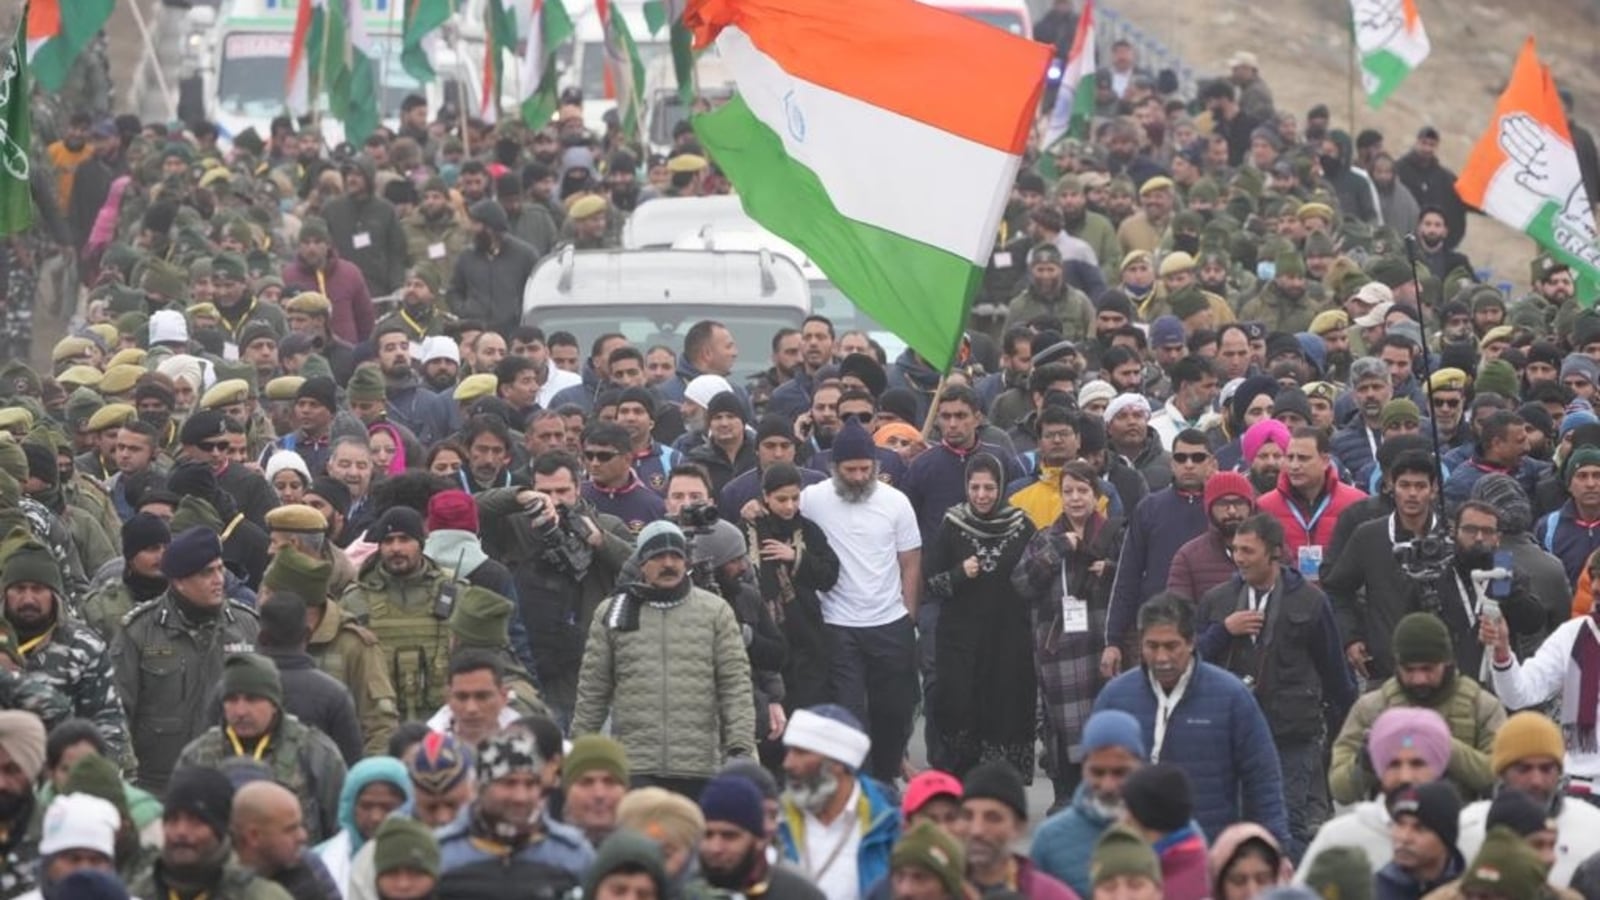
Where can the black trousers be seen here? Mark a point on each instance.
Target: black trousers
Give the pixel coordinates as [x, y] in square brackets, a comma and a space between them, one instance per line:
[875, 677]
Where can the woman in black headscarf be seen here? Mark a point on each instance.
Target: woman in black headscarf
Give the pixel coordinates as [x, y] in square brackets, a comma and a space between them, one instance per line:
[985, 690]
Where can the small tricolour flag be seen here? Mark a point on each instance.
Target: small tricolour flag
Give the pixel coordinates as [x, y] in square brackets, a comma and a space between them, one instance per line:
[624, 68]
[423, 21]
[350, 70]
[305, 54]
[846, 112]
[1390, 42]
[54, 40]
[549, 26]
[1525, 172]
[499, 39]
[1074, 106]
[16, 130]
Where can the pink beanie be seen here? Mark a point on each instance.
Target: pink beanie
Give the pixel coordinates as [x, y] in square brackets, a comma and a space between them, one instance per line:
[1261, 432]
[1409, 727]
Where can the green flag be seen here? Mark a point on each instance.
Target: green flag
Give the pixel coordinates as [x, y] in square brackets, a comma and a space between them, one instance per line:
[659, 14]
[499, 38]
[423, 18]
[548, 29]
[626, 69]
[16, 192]
[349, 70]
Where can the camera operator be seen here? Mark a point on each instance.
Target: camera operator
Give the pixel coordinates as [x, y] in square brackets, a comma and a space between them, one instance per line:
[1477, 536]
[720, 563]
[565, 557]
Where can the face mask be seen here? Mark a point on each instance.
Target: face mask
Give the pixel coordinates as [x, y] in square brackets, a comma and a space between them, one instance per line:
[482, 243]
[814, 797]
[156, 419]
[1188, 243]
[1330, 164]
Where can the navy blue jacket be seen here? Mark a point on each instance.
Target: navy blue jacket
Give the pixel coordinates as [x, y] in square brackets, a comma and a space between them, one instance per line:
[1219, 738]
[747, 486]
[1561, 534]
[1161, 523]
[937, 480]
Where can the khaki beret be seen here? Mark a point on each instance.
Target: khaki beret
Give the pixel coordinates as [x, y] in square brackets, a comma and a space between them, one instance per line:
[1314, 210]
[1160, 182]
[112, 415]
[119, 380]
[1451, 379]
[204, 311]
[80, 376]
[131, 356]
[1134, 256]
[1329, 320]
[1497, 333]
[225, 393]
[106, 332]
[686, 162]
[309, 303]
[15, 418]
[586, 206]
[297, 517]
[476, 387]
[70, 348]
[1175, 262]
[284, 387]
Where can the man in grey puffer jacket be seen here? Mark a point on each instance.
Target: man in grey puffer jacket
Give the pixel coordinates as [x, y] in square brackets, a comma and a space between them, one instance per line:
[666, 661]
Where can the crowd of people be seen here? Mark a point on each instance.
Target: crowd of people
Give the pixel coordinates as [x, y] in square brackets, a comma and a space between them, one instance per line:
[1264, 536]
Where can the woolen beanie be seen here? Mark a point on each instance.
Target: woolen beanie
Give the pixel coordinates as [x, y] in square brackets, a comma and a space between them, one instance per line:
[453, 510]
[853, 443]
[900, 403]
[729, 798]
[750, 771]
[1344, 873]
[24, 560]
[928, 847]
[481, 618]
[1228, 484]
[1524, 736]
[191, 551]
[100, 777]
[402, 842]
[592, 752]
[401, 520]
[320, 389]
[1435, 806]
[41, 462]
[1422, 638]
[1508, 499]
[202, 792]
[252, 675]
[1505, 866]
[1519, 812]
[143, 531]
[773, 426]
[662, 815]
[366, 384]
[997, 780]
[726, 402]
[1498, 376]
[1113, 728]
[293, 572]
[1158, 797]
[660, 538]
[1409, 728]
[335, 492]
[22, 738]
[629, 851]
[1121, 851]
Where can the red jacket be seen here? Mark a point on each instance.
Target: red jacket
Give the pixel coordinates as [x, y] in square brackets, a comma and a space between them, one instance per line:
[1200, 565]
[1304, 527]
[345, 288]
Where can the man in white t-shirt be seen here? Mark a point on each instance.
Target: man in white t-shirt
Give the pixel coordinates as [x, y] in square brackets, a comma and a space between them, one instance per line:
[869, 613]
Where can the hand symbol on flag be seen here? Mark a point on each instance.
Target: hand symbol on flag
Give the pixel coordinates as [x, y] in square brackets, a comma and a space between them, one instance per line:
[1525, 141]
[1378, 22]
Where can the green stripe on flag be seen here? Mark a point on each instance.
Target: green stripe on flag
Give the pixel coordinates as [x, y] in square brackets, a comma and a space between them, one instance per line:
[16, 190]
[1569, 243]
[81, 20]
[1385, 70]
[555, 28]
[919, 292]
[423, 17]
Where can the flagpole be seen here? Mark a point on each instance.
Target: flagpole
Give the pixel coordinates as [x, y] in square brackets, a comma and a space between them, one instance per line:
[314, 80]
[933, 407]
[461, 90]
[150, 48]
[383, 67]
[1350, 97]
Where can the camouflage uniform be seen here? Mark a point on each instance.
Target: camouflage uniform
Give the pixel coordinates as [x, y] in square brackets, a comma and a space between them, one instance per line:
[73, 660]
[301, 758]
[236, 883]
[19, 854]
[53, 533]
[353, 655]
[166, 668]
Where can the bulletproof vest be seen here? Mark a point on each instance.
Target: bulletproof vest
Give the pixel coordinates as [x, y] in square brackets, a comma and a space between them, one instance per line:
[417, 645]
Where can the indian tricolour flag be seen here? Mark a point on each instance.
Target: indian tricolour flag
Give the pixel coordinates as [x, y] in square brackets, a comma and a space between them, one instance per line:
[1390, 42]
[857, 134]
[55, 40]
[1074, 105]
[549, 26]
[1525, 172]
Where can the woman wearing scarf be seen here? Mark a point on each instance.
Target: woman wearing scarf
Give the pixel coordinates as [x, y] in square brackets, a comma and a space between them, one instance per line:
[374, 788]
[984, 695]
[388, 448]
[1067, 571]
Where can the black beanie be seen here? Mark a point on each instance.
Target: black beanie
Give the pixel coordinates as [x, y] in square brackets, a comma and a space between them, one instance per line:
[204, 793]
[334, 491]
[772, 426]
[1519, 812]
[398, 520]
[641, 396]
[1116, 301]
[867, 370]
[322, 390]
[1158, 797]
[205, 425]
[41, 462]
[143, 531]
[997, 780]
[725, 402]
[900, 403]
[1435, 805]
[193, 479]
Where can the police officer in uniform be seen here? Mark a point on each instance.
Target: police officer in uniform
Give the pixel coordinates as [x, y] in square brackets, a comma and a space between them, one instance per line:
[169, 655]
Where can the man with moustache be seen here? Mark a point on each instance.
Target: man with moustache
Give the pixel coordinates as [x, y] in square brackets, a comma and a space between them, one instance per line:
[994, 810]
[22, 758]
[196, 859]
[733, 849]
[1206, 561]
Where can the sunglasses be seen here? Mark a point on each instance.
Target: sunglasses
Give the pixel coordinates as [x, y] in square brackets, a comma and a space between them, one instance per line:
[213, 446]
[1446, 404]
[600, 456]
[862, 417]
[1190, 458]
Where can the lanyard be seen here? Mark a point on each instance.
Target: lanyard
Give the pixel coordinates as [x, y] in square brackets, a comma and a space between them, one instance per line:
[29, 646]
[1372, 441]
[1395, 517]
[1316, 514]
[413, 323]
[173, 895]
[322, 283]
[238, 748]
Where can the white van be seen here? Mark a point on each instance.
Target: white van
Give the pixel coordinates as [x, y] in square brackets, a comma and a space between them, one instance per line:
[655, 296]
[1011, 15]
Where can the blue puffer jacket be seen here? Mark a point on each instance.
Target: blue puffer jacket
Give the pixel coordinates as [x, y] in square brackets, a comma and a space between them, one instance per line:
[880, 826]
[1218, 736]
[1064, 843]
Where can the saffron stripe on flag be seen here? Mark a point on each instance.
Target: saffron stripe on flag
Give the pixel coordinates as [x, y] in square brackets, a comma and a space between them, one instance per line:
[921, 289]
[877, 164]
[899, 55]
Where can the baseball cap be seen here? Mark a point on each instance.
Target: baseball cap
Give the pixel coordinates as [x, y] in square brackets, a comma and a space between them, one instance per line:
[927, 786]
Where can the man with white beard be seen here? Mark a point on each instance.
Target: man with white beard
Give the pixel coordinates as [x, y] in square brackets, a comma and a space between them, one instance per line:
[870, 610]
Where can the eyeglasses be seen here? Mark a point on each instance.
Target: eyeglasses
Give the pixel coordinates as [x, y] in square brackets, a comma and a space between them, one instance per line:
[213, 446]
[1190, 458]
[1446, 403]
[600, 456]
[862, 417]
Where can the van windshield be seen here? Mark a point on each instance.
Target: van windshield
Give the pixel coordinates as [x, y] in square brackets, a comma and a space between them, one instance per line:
[999, 18]
[646, 325]
[254, 70]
